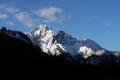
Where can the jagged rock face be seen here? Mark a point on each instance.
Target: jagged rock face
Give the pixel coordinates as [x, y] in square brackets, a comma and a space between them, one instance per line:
[64, 38]
[78, 47]
[44, 38]
[62, 43]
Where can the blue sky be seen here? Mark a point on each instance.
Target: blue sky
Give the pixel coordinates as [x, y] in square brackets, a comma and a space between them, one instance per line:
[98, 20]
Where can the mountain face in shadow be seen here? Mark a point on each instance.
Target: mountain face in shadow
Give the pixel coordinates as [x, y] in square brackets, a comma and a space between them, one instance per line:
[19, 50]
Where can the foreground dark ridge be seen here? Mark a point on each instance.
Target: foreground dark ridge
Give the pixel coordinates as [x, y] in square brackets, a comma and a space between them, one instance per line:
[15, 51]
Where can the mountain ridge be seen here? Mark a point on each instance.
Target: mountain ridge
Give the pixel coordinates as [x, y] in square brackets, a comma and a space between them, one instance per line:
[105, 58]
[62, 42]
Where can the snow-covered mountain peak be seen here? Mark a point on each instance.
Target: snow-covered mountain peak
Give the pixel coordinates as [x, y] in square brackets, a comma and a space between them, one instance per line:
[64, 38]
[42, 30]
[87, 39]
[44, 27]
[62, 33]
[44, 37]
[62, 42]
[90, 44]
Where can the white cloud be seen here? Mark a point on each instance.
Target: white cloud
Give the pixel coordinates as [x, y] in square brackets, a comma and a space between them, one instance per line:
[46, 14]
[3, 16]
[3, 6]
[51, 14]
[12, 10]
[9, 9]
[18, 14]
[24, 17]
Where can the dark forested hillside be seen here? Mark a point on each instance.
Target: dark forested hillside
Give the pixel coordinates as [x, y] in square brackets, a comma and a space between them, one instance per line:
[15, 52]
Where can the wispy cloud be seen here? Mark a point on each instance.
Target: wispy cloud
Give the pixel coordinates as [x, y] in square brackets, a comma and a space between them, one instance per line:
[9, 9]
[24, 17]
[3, 16]
[45, 14]
[12, 10]
[18, 14]
[51, 14]
[3, 6]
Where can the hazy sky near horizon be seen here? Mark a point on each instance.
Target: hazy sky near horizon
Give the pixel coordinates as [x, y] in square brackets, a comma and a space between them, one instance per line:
[98, 20]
